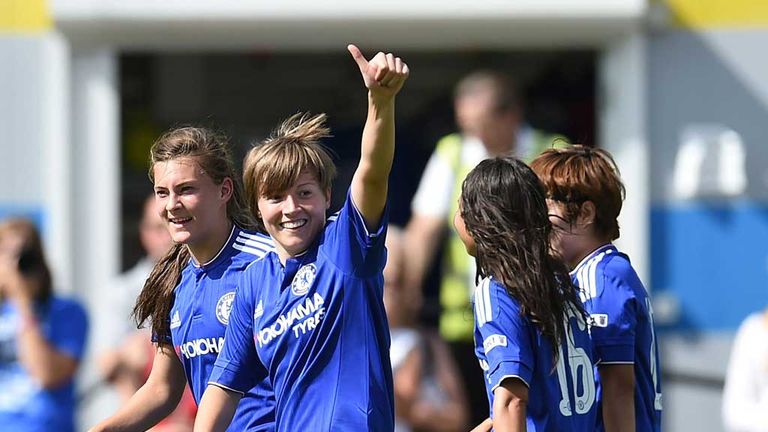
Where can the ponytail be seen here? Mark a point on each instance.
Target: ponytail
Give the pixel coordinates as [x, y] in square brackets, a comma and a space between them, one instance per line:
[157, 297]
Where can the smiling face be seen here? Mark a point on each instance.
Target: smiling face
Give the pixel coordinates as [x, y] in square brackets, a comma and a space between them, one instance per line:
[192, 206]
[295, 217]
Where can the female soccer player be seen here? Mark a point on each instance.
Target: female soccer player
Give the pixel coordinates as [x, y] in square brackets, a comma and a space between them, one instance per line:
[531, 335]
[42, 337]
[585, 193]
[317, 328]
[189, 293]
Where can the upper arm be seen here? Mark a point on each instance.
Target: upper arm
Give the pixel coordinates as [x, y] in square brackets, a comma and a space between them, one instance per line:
[617, 379]
[510, 400]
[504, 334]
[167, 376]
[353, 247]
[614, 318]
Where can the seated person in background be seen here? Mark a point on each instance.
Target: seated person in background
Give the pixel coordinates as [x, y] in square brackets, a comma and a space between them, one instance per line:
[428, 394]
[42, 337]
[745, 398]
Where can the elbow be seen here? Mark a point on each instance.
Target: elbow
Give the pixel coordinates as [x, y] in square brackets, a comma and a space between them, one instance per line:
[510, 403]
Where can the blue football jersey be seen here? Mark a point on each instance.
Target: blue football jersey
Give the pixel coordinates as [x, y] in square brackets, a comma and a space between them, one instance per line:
[199, 318]
[24, 404]
[561, 397]
[319, 331]
[622, 330]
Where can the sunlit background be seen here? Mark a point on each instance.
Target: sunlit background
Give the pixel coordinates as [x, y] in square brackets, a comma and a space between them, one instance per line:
[676, 89]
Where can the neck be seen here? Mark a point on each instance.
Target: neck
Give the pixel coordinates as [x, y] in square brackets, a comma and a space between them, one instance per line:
[204, 251]
[589, 246]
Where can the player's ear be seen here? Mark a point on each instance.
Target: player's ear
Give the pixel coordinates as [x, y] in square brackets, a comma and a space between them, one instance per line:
[587, 213]
[226, 189]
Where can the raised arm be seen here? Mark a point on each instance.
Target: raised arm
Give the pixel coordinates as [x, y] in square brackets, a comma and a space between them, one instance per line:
[155, 400]
[383, 76]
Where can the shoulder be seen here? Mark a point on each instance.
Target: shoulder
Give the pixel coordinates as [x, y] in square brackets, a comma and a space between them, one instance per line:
[617, 270]
[251, 245]
[66, 308]
[492, 299]
[448, 147]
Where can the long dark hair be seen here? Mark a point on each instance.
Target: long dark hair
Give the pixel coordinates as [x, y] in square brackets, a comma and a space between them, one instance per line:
[211, 152]
[504, 210]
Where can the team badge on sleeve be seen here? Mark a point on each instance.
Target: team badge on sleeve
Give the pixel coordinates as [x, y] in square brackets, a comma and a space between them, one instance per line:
[598, 320]
[303, 279]
[224, 307]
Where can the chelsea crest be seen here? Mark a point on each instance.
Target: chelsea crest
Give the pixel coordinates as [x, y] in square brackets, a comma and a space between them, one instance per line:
[303, 279]
[224, 307]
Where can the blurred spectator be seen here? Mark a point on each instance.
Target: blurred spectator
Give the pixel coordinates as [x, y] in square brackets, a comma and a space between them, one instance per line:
[428, 393]
[745, 399]
[42, 337]
[491, 122]
[127, 365]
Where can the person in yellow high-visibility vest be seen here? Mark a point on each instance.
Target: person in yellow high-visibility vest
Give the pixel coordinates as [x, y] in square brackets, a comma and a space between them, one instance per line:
[490, 119]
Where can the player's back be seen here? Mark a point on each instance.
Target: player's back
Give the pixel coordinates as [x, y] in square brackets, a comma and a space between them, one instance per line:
[622, 326]
[561, 395]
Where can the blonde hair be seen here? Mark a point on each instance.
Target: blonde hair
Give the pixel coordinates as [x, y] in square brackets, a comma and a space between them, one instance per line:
[294, 148]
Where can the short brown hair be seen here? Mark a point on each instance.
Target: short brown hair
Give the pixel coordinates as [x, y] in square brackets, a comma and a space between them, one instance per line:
[576, 174]
[294, 147]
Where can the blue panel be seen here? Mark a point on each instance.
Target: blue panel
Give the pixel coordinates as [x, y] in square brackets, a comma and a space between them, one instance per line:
[714, 258]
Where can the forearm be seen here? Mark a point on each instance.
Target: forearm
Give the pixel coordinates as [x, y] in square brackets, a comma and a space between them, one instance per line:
[147, 407]
[378, 142]
[45, 364]
[216, 409]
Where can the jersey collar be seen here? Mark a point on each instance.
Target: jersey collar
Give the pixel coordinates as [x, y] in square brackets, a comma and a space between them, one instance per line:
[223, 253]
[591, 255]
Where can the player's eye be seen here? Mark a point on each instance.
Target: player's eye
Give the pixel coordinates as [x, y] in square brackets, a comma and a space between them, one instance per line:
[305, 193]
[161, 193]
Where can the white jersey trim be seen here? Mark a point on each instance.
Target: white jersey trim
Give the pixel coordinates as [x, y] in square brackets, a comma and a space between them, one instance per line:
[501, 380]
[221, 386]
[196, 264]
[483, 307]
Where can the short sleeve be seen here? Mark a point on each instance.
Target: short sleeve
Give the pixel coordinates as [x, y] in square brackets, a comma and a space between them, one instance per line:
[506, 336]
[613, 315]
[351, 245]
[238, 367]
[69, 327]
[433, 197]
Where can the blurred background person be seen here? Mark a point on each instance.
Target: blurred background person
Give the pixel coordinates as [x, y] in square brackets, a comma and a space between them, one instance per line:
[42, 337]
[491, 122]
[428, 392]
[745, 398]
[124, 367]
[126, 364]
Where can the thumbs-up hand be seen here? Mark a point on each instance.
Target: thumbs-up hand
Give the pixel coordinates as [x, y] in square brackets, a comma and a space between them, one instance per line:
[383, 75]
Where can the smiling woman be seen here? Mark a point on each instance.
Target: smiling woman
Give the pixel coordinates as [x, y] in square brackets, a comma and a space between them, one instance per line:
[328, 333]
[188, 296]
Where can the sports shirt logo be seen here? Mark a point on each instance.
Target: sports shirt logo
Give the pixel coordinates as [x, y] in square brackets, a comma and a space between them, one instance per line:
[175, 320]
[303, 279]
[224, 307]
